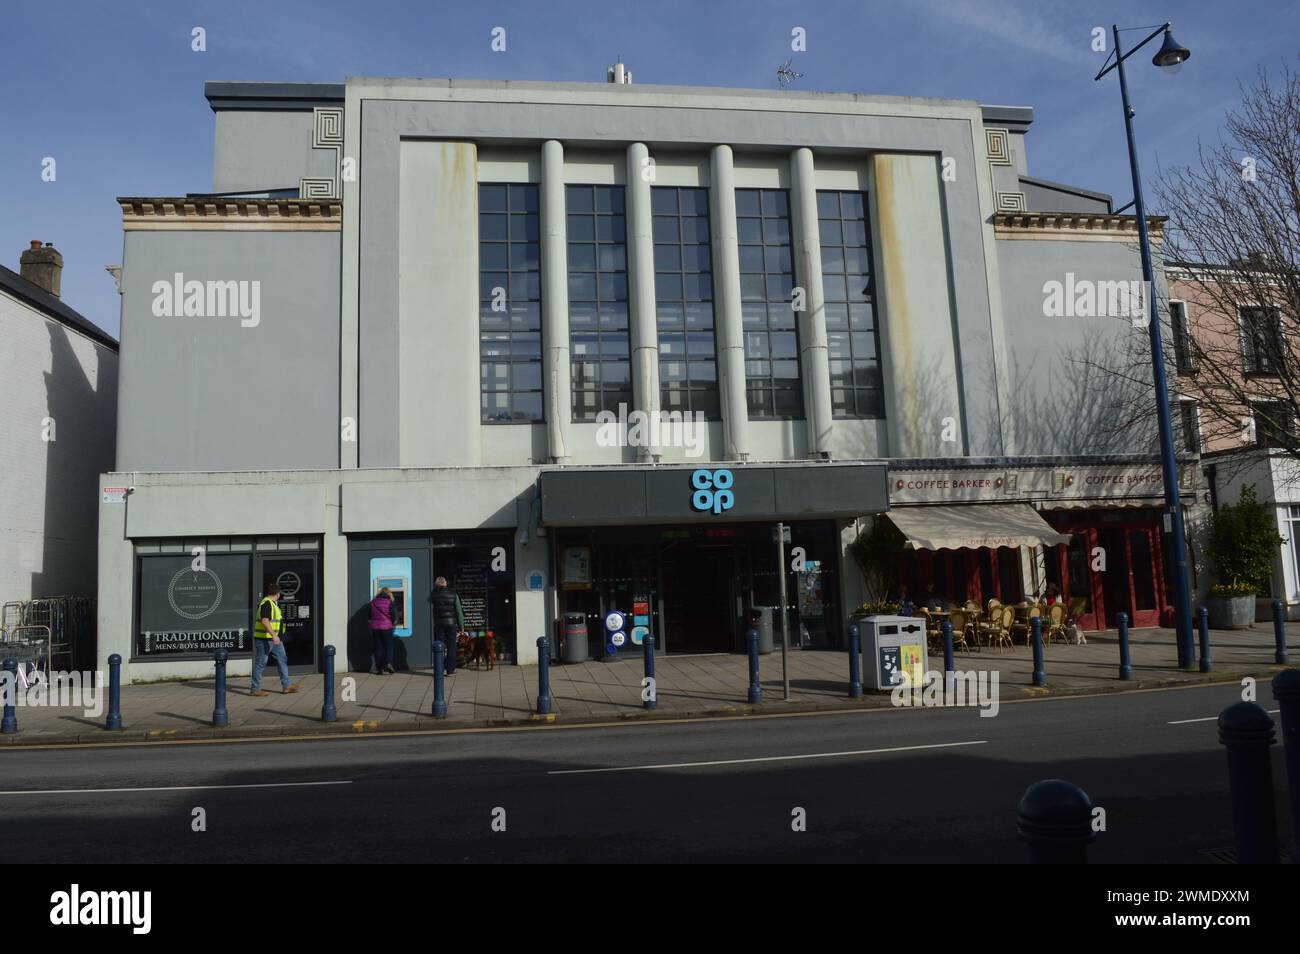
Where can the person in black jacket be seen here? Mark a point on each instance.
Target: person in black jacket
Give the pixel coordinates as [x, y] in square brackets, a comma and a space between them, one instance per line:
[448, 619]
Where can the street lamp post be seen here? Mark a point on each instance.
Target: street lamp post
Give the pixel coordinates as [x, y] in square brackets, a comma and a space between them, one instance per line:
[1171, 55]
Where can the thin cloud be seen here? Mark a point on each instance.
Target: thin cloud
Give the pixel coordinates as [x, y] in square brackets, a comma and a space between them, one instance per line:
[1022, 27]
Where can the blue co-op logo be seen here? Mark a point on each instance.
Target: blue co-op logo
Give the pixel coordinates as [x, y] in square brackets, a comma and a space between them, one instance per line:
[712, 491]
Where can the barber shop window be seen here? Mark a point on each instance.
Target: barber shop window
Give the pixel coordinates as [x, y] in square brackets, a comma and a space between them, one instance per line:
[854, 346]
[598, 332]
[766, 287]
[688, 367]
[510, 303]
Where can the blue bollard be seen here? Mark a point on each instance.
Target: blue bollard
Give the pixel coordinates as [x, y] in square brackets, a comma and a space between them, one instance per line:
[328, 711]
[220, 716]
[545, 704]
[1247, 731]
[1125, 662]
[649, 690]
[1056, 822]
[1203, 627]
[1279, 634]
[114, 720]
[948, 664]
[855, 663]
[1040, 677]
[10, 723]
[439, 679]
[1286, 690]
[755, 686]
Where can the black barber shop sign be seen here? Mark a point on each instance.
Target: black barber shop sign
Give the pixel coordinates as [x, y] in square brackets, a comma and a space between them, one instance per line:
[189, 606]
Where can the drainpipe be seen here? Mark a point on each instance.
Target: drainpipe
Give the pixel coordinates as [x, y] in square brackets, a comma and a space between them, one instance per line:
[814, 356]
[726, 299]
[641, 295]
[556, 384]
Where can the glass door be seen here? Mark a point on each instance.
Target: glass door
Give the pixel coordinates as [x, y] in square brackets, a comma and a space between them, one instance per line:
[1143, 576]
[295, 574]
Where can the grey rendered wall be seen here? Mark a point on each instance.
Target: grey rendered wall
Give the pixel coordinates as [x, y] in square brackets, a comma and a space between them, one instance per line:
[210, 394]
[1067, 374]
[382, 114]
[259, 150]
[49, 489]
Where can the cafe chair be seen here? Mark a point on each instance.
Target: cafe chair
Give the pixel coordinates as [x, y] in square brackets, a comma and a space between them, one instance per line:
[1054, 625]
[996, 630]
[961, 625]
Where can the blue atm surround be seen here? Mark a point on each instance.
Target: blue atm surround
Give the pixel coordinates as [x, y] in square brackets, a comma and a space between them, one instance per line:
[394, 573]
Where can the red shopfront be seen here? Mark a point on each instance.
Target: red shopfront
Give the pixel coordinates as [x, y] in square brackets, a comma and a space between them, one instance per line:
[1113, 563]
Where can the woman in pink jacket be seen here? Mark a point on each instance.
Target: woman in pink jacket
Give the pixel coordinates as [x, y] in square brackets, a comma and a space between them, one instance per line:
[381, 629]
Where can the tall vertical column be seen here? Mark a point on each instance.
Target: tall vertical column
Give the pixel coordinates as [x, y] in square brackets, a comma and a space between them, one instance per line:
[557, 369]
[726, 304]
[641, 293]
[814, 357]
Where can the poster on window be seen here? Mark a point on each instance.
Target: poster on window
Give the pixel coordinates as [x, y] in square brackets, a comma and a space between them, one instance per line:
[577, 568]
[193, 605]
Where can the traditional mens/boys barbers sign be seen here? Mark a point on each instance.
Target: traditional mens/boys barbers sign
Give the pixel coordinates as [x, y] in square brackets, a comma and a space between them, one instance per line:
[189, 609]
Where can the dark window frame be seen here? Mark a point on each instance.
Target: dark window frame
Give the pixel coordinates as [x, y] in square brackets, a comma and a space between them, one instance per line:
[607, 398]
[1180, 330]
[702, 396]
[529, 194]
[854, 398]
[1255, 363]
[779, 319]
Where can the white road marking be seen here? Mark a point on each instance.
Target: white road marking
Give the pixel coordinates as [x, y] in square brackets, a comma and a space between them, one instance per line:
[166, 788]
[766, 758]
[1209, 718]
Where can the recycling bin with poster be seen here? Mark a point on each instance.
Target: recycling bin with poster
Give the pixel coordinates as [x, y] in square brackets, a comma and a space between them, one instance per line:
[891, 646]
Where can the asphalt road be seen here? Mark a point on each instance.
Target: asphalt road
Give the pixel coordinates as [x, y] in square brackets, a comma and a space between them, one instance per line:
[938, 785]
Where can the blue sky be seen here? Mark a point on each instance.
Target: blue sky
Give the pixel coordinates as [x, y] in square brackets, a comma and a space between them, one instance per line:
[114, 93]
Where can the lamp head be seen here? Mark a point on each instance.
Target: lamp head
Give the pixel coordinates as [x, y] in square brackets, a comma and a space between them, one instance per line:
[1172, 53]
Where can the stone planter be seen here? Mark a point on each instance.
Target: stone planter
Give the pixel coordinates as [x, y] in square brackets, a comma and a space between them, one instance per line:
[1231, 612]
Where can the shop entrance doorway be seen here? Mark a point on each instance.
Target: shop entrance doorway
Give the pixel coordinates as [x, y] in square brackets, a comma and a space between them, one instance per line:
[699, 597]
[295, 574]
[1113, 564]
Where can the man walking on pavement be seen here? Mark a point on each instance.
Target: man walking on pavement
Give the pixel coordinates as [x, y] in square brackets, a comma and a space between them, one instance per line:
[448, 619]
[266, 642]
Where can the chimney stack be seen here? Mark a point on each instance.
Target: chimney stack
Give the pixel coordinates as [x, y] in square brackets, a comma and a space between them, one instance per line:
[618, 73]
[42, 266]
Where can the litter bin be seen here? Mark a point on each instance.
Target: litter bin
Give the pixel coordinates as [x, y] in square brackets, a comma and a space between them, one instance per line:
[761, 617]
[575, 637]
[891, 646]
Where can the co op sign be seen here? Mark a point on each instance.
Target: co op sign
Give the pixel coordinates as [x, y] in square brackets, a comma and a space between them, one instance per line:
[712, 491]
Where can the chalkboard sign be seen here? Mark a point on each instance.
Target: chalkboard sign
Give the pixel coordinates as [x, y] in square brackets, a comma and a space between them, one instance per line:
[471, 586]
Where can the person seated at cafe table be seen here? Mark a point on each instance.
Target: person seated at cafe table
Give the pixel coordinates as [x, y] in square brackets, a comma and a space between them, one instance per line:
[906, 607]
[932, 600]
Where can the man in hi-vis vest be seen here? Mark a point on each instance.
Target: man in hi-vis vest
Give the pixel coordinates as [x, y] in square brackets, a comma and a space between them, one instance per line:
[266, 642]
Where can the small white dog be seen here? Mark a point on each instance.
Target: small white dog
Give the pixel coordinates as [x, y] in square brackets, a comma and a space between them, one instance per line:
[1076, 634]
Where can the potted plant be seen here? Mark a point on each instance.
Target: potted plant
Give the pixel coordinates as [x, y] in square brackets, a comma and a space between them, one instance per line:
[1243, 545]
[875, 608]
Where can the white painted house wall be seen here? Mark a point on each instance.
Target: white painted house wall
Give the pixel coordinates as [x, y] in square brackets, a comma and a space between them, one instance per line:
[49, 489]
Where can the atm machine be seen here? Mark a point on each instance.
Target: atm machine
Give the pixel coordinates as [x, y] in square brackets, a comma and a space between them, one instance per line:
[394, 573]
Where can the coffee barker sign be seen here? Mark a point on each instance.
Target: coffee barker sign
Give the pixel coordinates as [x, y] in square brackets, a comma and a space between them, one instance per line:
[712, 491]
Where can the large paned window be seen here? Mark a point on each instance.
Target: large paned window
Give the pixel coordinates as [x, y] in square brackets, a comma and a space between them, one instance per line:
[688, 367]
[598, 331]
[856, 386]
[510, 302]
[766, 287]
